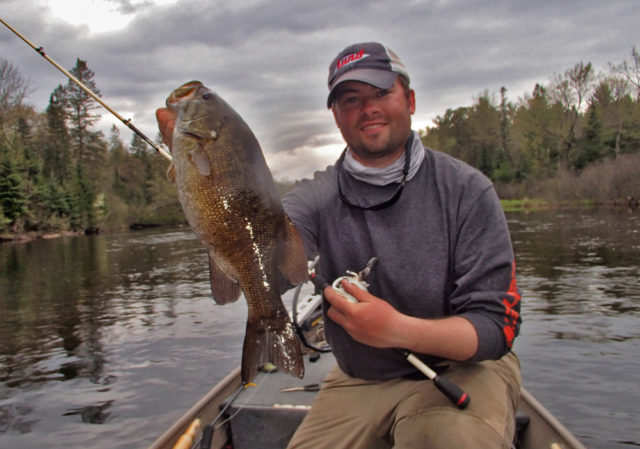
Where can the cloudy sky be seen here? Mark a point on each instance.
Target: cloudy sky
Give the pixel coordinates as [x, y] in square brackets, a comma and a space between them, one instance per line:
[269, 58]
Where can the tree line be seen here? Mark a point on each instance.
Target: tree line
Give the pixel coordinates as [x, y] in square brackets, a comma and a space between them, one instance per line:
[580, 120]
[57, 173]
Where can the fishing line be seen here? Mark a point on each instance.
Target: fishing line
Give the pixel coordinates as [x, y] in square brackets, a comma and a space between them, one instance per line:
[212, 423]
[241, 406]
[244, 403]
[127, 122]
[207, 435]
[294, 311]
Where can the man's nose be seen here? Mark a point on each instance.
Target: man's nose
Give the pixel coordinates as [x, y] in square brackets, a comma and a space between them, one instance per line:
[371, 103]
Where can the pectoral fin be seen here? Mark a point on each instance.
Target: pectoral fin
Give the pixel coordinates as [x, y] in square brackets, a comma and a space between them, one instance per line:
[200, 159]
[293, 259]
[223, 288]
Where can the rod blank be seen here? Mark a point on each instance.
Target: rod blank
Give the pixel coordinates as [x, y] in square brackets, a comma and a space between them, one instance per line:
[90, 92]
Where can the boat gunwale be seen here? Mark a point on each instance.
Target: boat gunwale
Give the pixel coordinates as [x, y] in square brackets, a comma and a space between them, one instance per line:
[535, 410]
[216, 395]
[211, 401]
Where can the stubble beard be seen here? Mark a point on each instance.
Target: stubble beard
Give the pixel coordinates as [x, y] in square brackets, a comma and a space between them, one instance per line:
[379, 150]
[372, 152]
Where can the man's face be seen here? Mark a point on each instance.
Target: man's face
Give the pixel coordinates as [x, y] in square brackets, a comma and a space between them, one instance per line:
[374, 122]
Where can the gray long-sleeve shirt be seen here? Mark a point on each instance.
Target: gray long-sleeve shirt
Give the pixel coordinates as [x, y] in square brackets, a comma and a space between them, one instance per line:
[443, 248]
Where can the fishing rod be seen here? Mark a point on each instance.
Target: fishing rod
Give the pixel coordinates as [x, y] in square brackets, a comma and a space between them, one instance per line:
[127, 122]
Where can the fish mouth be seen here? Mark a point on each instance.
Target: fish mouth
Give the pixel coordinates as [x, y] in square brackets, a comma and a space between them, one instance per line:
[210, 135]
[184, 92]
[196, 118]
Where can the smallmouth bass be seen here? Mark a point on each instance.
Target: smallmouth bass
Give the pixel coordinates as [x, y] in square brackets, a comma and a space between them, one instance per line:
[229, 198]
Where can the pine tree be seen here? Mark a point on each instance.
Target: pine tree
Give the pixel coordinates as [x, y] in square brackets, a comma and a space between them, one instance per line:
[80, 106]
[13, 197]
[89, 150]
[590, 149]
[57, 157]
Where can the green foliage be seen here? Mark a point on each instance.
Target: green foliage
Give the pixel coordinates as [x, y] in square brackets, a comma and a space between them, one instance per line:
[57, 173]
[56, 154]
[576, 122]
[13, 197]
[4, 221]
[591, 148]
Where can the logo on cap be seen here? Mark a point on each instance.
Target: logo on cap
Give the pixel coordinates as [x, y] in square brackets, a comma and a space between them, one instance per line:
[348, 59]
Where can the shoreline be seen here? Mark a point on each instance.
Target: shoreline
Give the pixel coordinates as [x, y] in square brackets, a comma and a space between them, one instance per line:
[534, 204]
[31, 236]
[508, 205]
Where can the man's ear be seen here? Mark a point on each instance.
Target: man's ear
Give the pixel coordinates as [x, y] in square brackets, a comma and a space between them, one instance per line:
[412, 101]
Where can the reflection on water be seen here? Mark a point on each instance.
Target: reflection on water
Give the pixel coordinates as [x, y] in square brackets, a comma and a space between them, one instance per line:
[92, 414]
[110, 330]
[106, 340]
[580, 341]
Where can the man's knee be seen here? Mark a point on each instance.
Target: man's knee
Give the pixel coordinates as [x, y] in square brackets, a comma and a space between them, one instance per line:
[444, 428]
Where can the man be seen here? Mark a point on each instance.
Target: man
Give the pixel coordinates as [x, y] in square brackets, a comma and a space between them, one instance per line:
[444, 287]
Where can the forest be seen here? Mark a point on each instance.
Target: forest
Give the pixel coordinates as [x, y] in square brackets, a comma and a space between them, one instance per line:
[573, 139]
[58, 174]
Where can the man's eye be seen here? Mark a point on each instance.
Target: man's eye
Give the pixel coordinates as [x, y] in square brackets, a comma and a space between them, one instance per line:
[382, 93]
[349, 99]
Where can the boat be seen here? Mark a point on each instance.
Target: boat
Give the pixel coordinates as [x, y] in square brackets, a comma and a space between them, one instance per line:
[265, 417]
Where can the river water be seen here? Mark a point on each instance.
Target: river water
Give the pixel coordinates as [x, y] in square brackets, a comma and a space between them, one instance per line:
[106, 340]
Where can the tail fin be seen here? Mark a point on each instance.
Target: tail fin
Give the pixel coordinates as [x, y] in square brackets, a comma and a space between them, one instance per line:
[271, 340]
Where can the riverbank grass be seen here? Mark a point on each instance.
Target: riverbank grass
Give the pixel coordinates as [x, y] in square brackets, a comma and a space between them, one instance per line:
[521, 204]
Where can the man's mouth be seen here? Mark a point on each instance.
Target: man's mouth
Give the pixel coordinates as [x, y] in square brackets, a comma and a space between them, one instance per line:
[372, 126]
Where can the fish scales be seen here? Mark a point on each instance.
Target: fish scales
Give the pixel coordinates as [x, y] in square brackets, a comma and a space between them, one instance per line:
[230, 201]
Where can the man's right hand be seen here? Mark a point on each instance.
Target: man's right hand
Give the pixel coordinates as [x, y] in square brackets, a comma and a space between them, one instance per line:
[166, 122]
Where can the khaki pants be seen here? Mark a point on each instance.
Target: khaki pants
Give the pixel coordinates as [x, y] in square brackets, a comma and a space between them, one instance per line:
[399, 413]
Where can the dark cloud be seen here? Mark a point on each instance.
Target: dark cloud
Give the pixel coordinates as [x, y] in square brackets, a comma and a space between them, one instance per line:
[269, 59]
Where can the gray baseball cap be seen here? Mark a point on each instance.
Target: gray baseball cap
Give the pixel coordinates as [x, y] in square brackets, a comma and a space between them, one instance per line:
[369, 62]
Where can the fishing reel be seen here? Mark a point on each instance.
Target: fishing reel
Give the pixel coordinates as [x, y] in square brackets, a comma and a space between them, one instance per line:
[354, 278]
